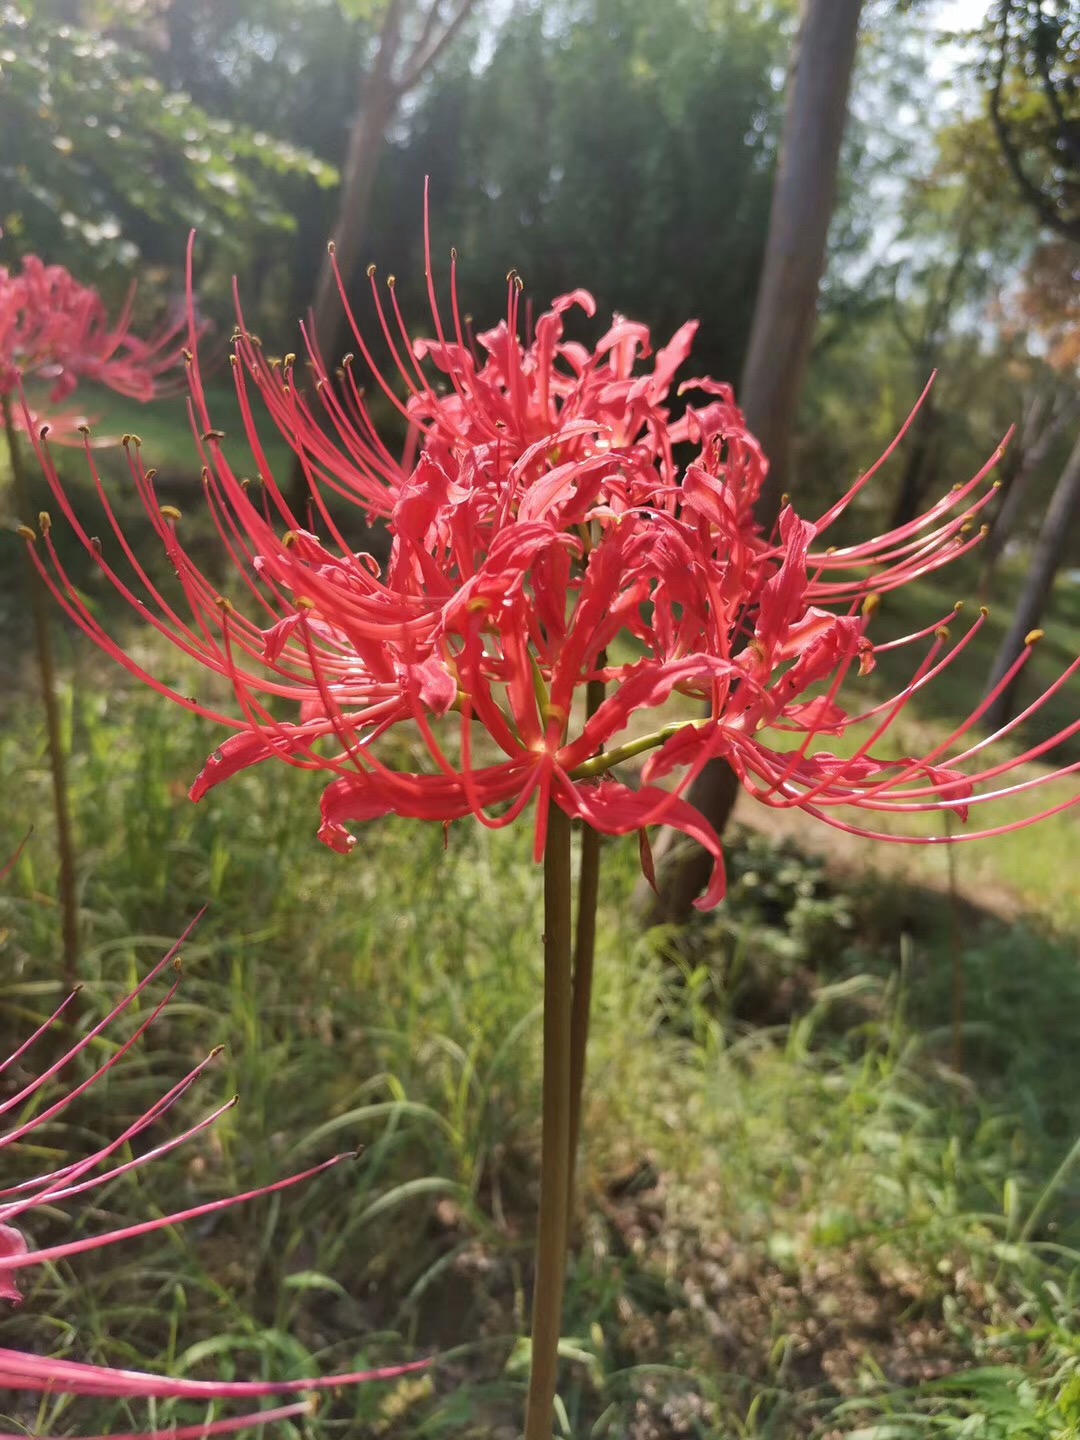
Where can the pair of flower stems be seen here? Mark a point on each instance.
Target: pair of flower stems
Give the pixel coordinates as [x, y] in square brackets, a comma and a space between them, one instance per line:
[569, 958]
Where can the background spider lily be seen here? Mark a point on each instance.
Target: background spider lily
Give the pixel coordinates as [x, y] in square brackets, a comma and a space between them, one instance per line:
[56, 332]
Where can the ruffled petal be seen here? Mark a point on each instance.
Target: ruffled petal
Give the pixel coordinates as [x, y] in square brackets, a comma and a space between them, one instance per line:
[12, 1243]
[615, 809]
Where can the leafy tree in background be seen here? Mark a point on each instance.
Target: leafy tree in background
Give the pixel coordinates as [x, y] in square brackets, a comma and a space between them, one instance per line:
[960, 282]
[967, 286]
[275, 67]
[1032, 70]
[978, 296]
[920, 246]
[1048, 304]
[1046, 308]
[1030, 67]
[623, 147]
[104, 161]
[332, 76]
[960, 248]
[660, 207]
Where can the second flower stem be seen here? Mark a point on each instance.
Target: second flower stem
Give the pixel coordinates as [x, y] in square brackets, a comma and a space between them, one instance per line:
[552, 1232]
[65, 844]
[584, 956]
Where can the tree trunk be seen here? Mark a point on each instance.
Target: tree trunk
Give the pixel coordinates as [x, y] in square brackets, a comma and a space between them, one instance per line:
[375, 110]
[376, 104]
[1049, 552]
[1015, 473]
[681, 865]
[803, 196]
[772, 380]
[1043, 423]
[399, 66]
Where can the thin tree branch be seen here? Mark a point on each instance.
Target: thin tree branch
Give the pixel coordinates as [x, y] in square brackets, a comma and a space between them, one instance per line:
[420, 43]
[422, 63]
[1040, 202]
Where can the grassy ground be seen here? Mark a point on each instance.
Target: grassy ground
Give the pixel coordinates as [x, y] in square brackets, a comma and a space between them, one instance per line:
[827, 1190]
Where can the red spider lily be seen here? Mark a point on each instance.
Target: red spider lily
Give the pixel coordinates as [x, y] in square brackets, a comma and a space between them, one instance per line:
[56, 331]
[21, 1371]
[543, 540]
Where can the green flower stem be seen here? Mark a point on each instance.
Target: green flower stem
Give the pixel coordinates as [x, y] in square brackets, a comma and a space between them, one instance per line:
[552, 1231]
[584, 957]
[959, 976]
[65, 844]
[584, 954]
[600, 764]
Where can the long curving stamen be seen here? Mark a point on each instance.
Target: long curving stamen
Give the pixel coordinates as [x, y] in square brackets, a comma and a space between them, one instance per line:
[68, 1248]
[81, 1044]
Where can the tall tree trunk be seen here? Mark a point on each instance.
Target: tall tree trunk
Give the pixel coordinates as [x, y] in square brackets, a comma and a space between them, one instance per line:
[1014, 476]
[1043, 423]
[772, 380]
[400, 64]
[1045, 562]
[804, 193]
[375, 110]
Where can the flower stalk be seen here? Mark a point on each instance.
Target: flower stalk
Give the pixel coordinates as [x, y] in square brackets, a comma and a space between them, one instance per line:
[67, 885]
[553, 1226]
[584, 958]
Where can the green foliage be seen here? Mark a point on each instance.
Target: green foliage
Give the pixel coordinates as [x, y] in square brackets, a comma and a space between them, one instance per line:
[783, 928]
[799, 1221]
[620, 147]
[1031, 67]
[928, 245]
[366, 10]
[276, 68]
[103, 162]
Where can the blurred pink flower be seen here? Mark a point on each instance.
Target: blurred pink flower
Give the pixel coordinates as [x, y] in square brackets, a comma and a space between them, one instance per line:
[56, 332]
[80, 1178]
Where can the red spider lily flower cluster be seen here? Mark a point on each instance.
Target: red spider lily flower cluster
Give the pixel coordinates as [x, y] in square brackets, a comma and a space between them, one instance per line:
[542, 538]
[24, 1372]
[56, 332]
